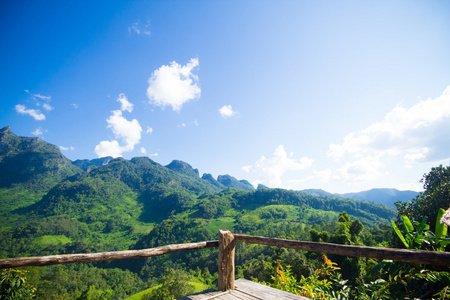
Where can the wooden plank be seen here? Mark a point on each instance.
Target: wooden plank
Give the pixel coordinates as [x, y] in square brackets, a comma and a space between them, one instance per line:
[246, 290]
[264, 292]
[95, 257]
[227, 246]
[412, 256]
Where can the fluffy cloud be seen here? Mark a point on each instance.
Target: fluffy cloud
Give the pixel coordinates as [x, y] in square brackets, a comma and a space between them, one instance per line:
[129, 132]
[125, 104]
[139, 28]
[149, 130]
[364, 169]
[226, 111]
[35, 113]
[174, 85]
[108, 148]
[418, 133]
[42, 97]
[62, 148]
[47, 107]
[39, 131]
[272, 169]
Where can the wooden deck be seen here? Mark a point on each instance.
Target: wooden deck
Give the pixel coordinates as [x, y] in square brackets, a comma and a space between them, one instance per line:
[245, 290]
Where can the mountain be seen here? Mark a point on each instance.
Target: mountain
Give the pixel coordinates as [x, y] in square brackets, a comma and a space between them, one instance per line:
[53, 206]
[261, 186]
[29, 167]
[182, 167]
[84, 164]
[230, 181]
[319, 192]
[212, 180]
[383, 196]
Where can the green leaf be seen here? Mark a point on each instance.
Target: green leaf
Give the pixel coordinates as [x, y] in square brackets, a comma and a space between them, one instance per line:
[399, 233]
[375, 269]
[408, 225]
[420, 229]
[441, 229]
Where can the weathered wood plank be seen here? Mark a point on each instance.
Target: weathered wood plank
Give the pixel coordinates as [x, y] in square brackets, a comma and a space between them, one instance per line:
[264, 292]
[412, 256]
[95, 257]
[227, 246]
[246, 290]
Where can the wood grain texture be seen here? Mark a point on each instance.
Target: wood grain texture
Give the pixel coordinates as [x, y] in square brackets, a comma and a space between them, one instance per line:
[227, 247]
[246, 290]
[412, 256]
[95, 257]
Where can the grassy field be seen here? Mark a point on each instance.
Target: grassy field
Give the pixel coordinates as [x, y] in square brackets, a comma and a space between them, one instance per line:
[198, 287]
[221, 223]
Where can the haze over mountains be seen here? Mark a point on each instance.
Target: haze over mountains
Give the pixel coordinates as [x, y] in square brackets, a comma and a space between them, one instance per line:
[47, 160]
[50, 205]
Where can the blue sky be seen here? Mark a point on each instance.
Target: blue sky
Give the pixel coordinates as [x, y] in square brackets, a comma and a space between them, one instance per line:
[339, 95]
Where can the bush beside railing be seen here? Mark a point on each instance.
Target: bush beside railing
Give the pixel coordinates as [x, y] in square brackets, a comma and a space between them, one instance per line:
[226, 244]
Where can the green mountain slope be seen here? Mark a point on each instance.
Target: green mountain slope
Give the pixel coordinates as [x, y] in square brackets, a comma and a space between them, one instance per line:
[29, 167]
[50, 206]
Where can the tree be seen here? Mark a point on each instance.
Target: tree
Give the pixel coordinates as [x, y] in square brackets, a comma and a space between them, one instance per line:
[436, 195]
[174, 285]
[13, 285]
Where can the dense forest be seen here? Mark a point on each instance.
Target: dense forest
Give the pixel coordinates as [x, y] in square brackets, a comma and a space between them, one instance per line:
[51, 205]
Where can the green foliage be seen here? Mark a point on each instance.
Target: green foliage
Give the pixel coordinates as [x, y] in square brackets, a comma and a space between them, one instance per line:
[13, 285]
[436, 195]
[51, 207]
[423, 238]
[93, 294]
[174, 285]
[325, 283]
[81, 281]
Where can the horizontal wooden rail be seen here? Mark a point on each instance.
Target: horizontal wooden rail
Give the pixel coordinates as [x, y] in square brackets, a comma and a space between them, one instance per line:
[412, 256]
[96, 257]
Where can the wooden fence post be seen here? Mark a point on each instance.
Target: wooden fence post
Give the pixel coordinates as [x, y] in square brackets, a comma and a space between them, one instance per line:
[227, 246]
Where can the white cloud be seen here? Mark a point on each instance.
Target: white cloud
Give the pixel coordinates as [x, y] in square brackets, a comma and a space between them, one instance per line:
[108, 148]
[75, 105]
[47, 107]
[129, 132]
[143, 151]
[226, 111]
[363, 169]
[62, 148]
[418, 133]
[246, 169]
[39, 131]
[35, 113]
[181, 125]
[124, 103]
[149, 130]
[139, 28]
[271, 170]
[173, 85]
[42, 97]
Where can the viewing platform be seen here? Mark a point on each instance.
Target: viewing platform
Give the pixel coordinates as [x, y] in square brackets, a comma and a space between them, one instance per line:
[228, 287]
[247, 290]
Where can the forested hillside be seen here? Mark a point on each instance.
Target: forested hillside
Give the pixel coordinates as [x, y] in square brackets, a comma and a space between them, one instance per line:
[51, 206]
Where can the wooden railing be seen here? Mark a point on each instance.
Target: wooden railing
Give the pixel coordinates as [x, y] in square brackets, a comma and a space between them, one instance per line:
[227, 244]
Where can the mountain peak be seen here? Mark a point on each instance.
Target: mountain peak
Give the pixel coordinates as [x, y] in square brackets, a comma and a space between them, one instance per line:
[26, 159]
[6, 129]
[230, 181]
[183, 167]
